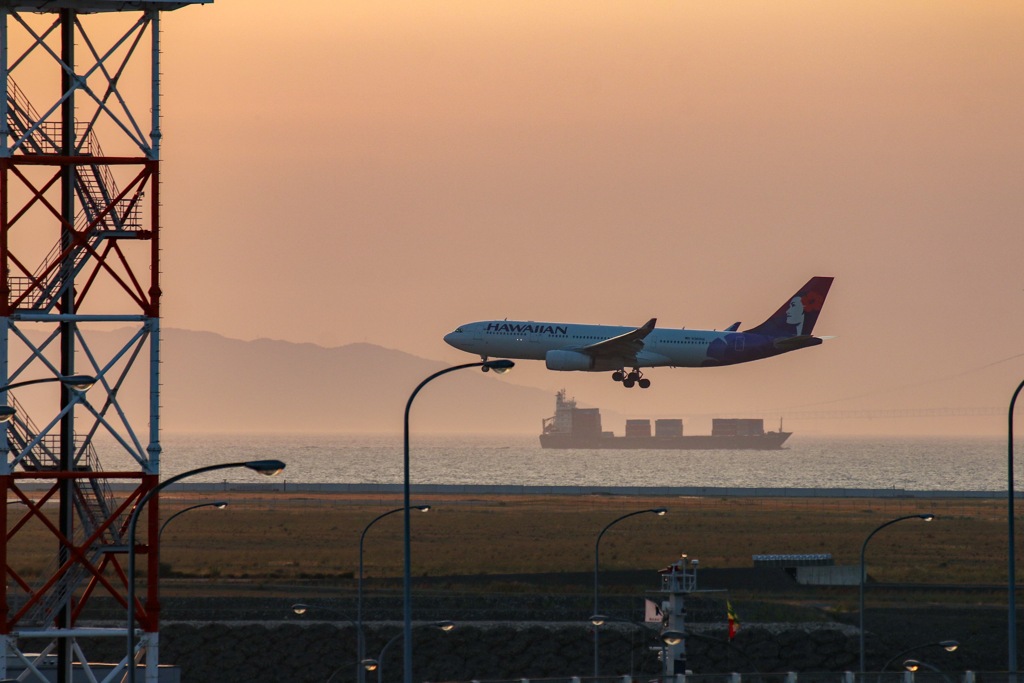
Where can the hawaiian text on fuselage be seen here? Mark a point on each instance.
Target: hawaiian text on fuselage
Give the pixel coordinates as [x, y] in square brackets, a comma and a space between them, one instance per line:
[529, 328]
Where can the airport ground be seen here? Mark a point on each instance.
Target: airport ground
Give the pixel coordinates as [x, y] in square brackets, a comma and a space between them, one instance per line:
[493, 560]
[268, 538]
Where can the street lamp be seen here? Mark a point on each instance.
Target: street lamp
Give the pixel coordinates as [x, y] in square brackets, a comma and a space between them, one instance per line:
[1012, 578]
[912, 665]
[266, 467]
[378, 664]
[300, 608]
[499, 366]
[647, 628]
[675, 637]
[926, 517]
[79, 383]
[220, 505]
[597, 551]
[360, 639]
[947, 645]
[672, 637]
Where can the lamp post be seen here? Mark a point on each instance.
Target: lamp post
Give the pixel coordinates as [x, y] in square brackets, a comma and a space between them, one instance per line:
[378, 664]
[499, 366]
[926, 517]
[947, 645]
[597, 552]
[300, 608]
[664, 637]
[266, 467]
[360, 639]
[912, 665]
[1012, 573]
[220, 505]
[79, 383]
[676, 637]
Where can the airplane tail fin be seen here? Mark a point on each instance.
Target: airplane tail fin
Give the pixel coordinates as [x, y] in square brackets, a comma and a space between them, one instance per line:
[797, 316]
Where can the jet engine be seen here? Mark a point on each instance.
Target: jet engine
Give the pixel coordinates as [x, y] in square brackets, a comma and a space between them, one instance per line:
[568, 360]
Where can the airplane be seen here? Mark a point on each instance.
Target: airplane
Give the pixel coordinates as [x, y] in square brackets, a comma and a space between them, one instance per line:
[600, 348]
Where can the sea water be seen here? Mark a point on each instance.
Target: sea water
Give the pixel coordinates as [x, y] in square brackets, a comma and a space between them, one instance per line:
[939, 464]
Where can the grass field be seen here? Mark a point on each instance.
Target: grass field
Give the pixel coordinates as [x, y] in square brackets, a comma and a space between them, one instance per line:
[300, 537]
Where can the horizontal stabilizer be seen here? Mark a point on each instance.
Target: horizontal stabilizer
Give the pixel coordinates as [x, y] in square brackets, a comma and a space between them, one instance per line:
[799, 342]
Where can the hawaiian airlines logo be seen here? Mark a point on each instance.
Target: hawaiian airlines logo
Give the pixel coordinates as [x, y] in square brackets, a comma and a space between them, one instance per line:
[527, 328]
[802, 307]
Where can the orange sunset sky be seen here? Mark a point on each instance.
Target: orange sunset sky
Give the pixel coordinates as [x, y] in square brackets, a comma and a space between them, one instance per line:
[381, 172]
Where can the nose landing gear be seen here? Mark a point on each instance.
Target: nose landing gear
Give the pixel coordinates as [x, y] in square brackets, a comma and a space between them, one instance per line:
[633, 378]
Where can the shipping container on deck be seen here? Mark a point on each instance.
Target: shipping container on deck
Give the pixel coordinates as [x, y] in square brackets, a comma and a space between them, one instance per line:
[635, 428]
[668, 427]
[736, 427]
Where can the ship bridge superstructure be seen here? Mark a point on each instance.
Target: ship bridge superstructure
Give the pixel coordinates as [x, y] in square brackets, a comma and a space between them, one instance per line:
[79, 297]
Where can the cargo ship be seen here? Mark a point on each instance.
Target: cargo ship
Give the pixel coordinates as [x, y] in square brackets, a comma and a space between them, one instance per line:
[572, 427]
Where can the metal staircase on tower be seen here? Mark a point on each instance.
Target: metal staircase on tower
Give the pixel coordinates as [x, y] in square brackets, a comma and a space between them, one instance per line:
[100, 531]
[105, 213]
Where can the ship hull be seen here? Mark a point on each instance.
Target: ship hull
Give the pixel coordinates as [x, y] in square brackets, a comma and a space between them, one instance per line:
[769, 441]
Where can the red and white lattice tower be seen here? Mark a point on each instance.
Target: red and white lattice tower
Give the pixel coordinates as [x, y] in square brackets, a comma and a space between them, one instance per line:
[79, 257]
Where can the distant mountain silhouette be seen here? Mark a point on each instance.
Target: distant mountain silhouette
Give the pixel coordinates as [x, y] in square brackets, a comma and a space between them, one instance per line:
[212, 383]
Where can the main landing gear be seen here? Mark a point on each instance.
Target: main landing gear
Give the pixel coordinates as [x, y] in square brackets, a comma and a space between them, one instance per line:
[632, 378]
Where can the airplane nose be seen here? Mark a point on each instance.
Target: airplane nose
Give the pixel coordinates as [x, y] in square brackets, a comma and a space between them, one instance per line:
[450, 338]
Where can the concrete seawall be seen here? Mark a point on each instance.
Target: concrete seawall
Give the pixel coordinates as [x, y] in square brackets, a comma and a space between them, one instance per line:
[512, 490]
[252, 652]
[314, 652]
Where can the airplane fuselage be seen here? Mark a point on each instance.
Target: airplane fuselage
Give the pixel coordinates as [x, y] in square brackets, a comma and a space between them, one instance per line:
[663, 347]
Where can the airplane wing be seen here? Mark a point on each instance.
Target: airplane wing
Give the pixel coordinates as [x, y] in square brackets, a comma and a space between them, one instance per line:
[625, 345]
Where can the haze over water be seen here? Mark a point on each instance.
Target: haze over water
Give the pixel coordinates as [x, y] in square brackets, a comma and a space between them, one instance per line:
[807, 462]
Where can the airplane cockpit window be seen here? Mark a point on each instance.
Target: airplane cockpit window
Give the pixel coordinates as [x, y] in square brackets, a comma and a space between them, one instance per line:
[458, 330]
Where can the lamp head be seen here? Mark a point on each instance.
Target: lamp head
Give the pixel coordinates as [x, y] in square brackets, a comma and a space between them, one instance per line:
[267, 467]
[220, 504]
[422, 508]
[500, 366]
[660, 511]
[598, 619]
[672, 637]
[78, 382]
[927, 516]
[300, 608]
[949, 645]
[7, 412]
[445, 626]
[369, 664]
[911, 665]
